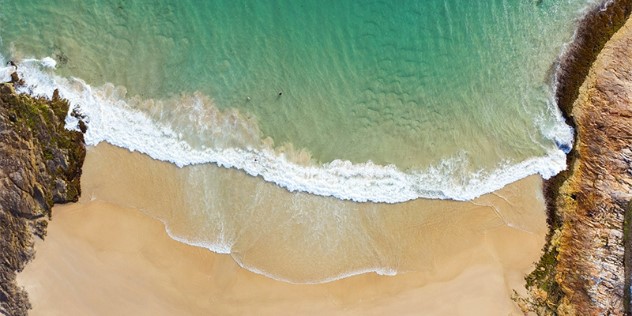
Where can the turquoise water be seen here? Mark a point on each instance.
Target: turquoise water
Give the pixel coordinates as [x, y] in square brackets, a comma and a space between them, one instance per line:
[443, 89]
[380, 102]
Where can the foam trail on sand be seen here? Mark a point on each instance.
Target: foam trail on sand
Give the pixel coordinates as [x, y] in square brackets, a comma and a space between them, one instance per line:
[110, 118]
[223, 248]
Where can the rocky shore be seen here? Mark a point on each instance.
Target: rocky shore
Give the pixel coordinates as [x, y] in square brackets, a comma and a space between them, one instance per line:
[585, 267]
[40, 165]
[582, 269]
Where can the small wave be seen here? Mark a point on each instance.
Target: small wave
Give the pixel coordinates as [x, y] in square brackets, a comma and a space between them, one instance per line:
[223, 248]
[111, 118]
[376, 270]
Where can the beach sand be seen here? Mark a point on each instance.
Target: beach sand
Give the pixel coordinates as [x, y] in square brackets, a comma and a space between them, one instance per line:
[105, 256]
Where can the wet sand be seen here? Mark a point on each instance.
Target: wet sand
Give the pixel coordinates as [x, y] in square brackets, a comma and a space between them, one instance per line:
[104, 257]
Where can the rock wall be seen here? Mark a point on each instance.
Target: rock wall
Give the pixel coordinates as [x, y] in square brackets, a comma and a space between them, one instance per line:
[592, 202]
[582, 271]
[40, 164]
[593, 31]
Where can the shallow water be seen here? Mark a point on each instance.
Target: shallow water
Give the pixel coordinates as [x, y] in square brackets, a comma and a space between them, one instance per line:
[300, 237]
[450, 90]
[376, 102]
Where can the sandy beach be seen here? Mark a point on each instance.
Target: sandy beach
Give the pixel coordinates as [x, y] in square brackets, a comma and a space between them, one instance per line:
[105, 256]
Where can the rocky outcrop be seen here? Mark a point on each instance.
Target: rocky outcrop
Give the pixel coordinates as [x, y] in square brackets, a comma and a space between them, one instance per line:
[593, 31]
[40, 164]
[593, 201]
[582, 271]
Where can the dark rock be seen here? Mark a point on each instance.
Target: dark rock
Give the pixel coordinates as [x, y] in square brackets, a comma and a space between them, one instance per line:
[15, 78]
[82, 127]
[40, 164]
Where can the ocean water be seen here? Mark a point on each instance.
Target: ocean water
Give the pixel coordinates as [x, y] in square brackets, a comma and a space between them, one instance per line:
[372, 101]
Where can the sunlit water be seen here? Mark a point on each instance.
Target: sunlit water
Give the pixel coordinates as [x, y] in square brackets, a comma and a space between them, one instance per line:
[368, 101]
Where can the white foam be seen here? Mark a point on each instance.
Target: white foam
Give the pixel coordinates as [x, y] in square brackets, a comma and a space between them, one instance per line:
[218, 247]
[111, 119]
[6, 72]
[48, 62]
[222, 247]
[344, 275]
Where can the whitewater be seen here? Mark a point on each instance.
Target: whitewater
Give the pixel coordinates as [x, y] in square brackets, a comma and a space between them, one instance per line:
[109, 118]
[426, 102]
[382, 103]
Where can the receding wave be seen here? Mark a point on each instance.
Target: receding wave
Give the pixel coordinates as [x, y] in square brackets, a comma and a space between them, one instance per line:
[231, 139]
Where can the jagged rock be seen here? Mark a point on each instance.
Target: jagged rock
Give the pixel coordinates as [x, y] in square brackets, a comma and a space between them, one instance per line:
[40, 163]
[587, 204]
[591, 251]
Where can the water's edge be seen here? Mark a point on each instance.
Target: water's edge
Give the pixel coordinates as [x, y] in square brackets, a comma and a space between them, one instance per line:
[508, 175]
[595, 29]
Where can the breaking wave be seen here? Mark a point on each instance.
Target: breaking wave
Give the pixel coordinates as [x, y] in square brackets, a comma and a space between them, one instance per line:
[194, 131]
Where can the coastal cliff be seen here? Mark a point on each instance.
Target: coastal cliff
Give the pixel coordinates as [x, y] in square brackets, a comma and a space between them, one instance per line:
[582, 270]
[40, 164]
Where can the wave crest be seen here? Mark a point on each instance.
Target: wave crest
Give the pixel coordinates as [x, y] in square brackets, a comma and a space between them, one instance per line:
[194, 131]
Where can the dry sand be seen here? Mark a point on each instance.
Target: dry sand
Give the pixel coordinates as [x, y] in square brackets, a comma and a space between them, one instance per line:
[101, 258]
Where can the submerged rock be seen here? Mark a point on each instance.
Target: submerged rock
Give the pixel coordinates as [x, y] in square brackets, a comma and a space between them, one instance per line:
[40, 164]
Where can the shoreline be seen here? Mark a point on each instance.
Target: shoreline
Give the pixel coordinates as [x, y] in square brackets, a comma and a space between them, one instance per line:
[549, 284]
[108, 164]
[105, 241]
[572, 64]
[450, 177]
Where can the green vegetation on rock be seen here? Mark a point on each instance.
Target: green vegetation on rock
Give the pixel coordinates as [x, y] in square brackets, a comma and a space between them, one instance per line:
[40, 164]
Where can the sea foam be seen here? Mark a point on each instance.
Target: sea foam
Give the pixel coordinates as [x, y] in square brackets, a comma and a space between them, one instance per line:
[110, 118]
[6, 72]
